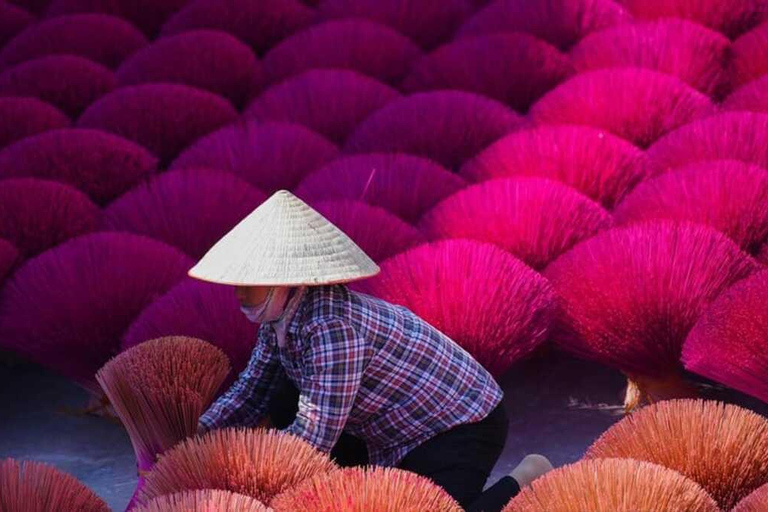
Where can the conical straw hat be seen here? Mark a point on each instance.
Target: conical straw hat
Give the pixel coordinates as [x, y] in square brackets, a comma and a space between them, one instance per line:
[284, 242]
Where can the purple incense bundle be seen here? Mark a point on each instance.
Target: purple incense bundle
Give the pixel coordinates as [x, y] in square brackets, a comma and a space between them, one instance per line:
[24, 117]
[269, 156]
[599, 165]
[694, 54]
[66, 308]
[729, 344]
[13, 19]
[260, 24]
[517, 214]
[36, 215]
[207, 59]
[164, 118]
[488, 301]
[638, 105]
[530, 68]
[100, 164]
[147, 15]
[364, 46]
[379, 233]
[755, 502]
[403, 184]
[9, 258]
[561, 23]
[187, 209]
[197, 309]
[330, 102]
[729, 195]
[447, 126]
[629, 297]
[727, 136]
[429, 24]
[104, 39]
[79, 81]
[749, 60]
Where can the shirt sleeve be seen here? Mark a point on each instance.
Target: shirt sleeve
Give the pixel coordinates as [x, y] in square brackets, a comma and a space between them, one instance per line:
[333, 365]
[247, 399]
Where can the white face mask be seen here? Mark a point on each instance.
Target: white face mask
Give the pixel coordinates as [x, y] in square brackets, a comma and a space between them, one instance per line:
[255, 314]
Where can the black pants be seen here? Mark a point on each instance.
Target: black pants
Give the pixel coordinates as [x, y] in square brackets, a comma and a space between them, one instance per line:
[459, 460]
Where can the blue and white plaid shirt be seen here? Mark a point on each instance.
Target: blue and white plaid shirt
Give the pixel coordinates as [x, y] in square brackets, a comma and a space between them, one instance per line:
[365, 366]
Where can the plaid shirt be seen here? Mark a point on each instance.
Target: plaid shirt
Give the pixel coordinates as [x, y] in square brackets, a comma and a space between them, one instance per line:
[365, 366]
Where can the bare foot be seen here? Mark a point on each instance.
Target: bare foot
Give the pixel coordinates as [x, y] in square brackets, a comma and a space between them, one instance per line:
[531, 468]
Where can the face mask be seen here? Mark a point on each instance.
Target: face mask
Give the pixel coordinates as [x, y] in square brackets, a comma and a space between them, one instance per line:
[255, 314]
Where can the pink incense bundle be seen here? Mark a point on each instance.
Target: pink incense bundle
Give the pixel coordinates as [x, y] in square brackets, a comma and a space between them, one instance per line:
[207, 59]
[559, 22]
[147, 15]
[447, 126]
[429, 24]
[599, 165]
[36, 215]
[731, 17]
[694, 54]
[24, 117]
[104, 39]
[729, 195]
[159, 389]
[256, 462]
[79, 81]
[751, 97]
[749, 59]
[366, 489]
[629, 296]
[164, 118]
[379, 233]
[724, 448]
[100, 164]
[330, 102]
[9, 258]
[29, 486]
[198, 309]
[517, 214]
[729, 344]
[403, 184]
[188, 209]
[259, 24]
[13, 19]
[66, 308]
[482, 297]
[638, 105]
[207, 500]
[755, 502]
[364, 46]
[531, 68]
[269, 156]
[731, 135]
[612, 485]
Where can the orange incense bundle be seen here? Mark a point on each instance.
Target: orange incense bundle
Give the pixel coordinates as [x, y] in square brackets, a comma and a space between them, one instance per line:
[159, 389]
[366, 489]
[722, 447]
[755, 502]
[612, 485]
[30, 486]
[205, 500]
[256, 462]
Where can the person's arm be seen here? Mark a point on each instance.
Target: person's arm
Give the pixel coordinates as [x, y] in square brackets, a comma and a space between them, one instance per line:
[247, 400]
[333, 368]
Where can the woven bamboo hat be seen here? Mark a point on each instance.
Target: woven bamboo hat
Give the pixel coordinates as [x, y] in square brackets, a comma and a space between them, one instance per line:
[284, 242]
